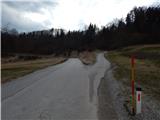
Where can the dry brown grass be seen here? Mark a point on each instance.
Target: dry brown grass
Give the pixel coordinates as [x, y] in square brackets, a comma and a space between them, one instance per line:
[12, 70]
[88, 57]
[13, 67]
[147, 70]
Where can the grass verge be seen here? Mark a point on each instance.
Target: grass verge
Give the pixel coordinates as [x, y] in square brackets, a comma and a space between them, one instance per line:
[147, 67]
[12, 70]
[14, 67]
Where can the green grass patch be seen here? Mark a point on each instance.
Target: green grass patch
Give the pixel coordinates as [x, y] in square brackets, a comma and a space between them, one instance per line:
[147, 70]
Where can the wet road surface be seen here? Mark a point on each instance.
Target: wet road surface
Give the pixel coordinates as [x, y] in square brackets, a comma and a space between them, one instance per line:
[67, 91]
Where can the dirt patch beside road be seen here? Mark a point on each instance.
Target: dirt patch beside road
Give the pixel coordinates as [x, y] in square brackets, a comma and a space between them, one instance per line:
[87, 57]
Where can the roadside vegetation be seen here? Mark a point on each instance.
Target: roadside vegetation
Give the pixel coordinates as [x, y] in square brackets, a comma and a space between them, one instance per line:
[87, 57]
[19, 65]
[147, 67]
[12, 67]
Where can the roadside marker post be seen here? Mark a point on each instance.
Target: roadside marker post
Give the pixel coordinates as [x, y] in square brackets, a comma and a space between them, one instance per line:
[132, 84]
[138, 97]
[138, 100]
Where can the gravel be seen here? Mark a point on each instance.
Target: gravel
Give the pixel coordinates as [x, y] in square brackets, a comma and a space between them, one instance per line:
[114, 94]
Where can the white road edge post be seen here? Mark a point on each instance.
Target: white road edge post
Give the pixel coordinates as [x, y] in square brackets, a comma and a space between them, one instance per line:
[138, 100]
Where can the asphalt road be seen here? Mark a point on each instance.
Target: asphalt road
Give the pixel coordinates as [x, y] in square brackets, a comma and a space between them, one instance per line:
[67, 91]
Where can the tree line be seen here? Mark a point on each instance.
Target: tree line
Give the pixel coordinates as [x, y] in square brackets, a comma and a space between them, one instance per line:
[141, 26]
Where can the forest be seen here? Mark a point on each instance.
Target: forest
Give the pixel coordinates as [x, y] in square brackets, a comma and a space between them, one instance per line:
[141, 26]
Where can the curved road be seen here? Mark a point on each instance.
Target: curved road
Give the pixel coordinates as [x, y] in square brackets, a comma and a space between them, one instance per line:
[67, 91]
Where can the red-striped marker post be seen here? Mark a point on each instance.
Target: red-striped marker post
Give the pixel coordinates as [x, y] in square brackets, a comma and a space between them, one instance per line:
[132, 82]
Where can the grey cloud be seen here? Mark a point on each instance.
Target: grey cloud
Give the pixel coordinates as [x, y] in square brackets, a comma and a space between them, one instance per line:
[13, 20]
[12, 14]
[31, 6]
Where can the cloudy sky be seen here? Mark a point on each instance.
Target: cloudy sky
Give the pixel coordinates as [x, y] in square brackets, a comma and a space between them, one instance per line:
[29, 15]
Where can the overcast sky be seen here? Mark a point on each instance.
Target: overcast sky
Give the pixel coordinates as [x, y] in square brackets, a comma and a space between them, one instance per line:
[67, 14]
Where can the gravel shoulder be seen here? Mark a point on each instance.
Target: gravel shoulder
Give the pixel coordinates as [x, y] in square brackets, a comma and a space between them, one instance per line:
[116, 93]
[111, 98]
